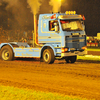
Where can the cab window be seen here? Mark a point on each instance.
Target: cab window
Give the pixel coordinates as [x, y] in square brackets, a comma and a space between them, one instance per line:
[52, 25]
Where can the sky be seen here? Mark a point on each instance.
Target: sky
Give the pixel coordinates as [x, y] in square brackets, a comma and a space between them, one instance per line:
[18, 14]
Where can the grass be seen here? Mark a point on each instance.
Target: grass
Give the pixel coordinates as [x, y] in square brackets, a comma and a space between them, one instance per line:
[93, 49]
[12, 93]
[89, 57]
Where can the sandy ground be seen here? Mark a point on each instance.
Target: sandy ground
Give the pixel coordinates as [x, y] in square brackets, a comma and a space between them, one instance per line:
[79, 79]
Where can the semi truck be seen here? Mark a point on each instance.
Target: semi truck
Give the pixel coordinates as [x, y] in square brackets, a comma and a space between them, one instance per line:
[56, 36]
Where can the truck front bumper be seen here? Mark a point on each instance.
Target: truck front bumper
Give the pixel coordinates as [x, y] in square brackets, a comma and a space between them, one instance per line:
[70, 53]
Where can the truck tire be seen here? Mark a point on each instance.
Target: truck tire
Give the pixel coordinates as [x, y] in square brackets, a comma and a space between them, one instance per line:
[71, 59]
[48, 56]
[67, 59]
[7, 53]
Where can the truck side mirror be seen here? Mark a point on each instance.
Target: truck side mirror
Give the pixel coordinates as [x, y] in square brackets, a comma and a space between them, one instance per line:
[56, 27]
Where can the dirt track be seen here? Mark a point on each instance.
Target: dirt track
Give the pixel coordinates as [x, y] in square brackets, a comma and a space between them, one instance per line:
[79, 79]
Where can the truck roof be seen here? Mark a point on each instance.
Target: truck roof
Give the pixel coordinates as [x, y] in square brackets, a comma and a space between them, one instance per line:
[60, 16]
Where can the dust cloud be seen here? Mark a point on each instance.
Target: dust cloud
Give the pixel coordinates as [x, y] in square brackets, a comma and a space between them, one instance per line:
[56, 4]
[35, 5]
[11, 3]
[17, 14]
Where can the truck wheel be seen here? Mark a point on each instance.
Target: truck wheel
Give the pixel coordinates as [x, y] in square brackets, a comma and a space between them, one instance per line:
[71, 59]
[67, 59]
[48, 56]
[7, 53]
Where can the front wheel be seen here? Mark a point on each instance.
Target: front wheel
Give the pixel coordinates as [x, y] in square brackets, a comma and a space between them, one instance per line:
[71, 59]
[48, 56]
[6, 53]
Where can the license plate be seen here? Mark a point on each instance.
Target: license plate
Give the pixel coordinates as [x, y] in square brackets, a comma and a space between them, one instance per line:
[75, 33]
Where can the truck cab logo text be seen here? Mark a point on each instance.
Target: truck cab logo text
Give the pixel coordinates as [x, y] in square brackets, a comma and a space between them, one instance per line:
[46, 17]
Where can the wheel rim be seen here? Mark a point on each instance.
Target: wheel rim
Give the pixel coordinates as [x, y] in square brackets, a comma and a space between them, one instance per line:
[46, 56]
[5, 54]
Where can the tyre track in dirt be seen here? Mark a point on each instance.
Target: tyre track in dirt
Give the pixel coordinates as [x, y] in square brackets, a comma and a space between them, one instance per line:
[79, 79]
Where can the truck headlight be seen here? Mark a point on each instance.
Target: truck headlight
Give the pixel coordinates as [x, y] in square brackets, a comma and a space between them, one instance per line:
[84, 48]
[63, 50]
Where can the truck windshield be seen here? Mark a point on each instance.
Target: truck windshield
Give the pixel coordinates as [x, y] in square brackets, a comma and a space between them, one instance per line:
[71, 25]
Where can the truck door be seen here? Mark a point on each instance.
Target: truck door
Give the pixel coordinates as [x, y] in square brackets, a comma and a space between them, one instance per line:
[54, 32]
[50, 32]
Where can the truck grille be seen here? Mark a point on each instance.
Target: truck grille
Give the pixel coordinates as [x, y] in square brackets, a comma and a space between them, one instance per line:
[76, 41]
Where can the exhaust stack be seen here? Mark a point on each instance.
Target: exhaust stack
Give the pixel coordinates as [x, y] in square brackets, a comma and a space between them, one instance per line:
[35, 42]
